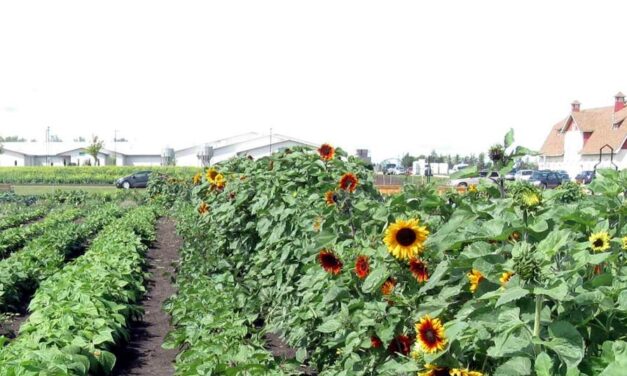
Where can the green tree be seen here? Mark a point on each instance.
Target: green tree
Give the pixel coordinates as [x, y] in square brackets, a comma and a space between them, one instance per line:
[94, 148]
[481, 161]
[407, 160]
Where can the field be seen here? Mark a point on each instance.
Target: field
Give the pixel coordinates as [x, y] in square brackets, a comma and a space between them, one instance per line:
[296, 264]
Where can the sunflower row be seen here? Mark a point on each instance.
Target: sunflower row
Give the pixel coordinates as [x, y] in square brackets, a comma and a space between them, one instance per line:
[82, 312]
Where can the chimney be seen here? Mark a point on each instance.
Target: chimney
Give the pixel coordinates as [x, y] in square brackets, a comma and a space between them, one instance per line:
[575, 106]
[620, 101]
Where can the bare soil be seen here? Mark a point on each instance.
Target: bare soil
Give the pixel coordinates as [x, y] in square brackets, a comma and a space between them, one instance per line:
[144, 355]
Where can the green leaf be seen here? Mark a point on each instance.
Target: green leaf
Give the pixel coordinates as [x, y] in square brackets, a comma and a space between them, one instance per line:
[511, 294]
[374, 280]
[517, 366]
[107, 360]
[543, 365]
[558, 290]
[329, 326]
[566, 341]
[301, 355]
[509, 138]
[439, 272]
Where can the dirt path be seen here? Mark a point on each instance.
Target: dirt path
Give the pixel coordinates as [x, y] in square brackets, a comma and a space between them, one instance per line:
[144, 355]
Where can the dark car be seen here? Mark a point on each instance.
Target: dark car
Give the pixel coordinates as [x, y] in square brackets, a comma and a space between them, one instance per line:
[136, 180]
[563, 175]
[585, 177]
[544, 179]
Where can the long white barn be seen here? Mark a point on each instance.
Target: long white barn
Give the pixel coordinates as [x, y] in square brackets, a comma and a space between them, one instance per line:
[136, 154]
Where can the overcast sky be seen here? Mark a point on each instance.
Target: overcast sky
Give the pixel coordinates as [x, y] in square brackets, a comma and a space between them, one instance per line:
[390, 76]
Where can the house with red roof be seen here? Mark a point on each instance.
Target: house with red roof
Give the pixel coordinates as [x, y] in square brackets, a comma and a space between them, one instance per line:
[589, 138]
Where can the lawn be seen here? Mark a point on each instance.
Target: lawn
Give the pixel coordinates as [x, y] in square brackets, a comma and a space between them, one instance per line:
[43, 189]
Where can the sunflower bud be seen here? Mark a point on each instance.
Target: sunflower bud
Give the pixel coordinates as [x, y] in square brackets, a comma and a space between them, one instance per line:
[527, 266]
[496, 153]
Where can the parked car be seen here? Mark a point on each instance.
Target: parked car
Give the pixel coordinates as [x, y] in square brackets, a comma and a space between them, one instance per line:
[563, 175]
[483, 175]
[511, 175]
[545, 179]
[459, 167]
[136, 180]
[523, 175]
[585, 177]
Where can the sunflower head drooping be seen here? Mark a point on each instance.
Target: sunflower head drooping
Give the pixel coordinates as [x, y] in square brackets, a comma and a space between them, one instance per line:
[475, 277]
[362, 266]
[430, 334]
[418, 268]
[405, 239]
[331, 198]
[400, 344]
[326, 151]
[496, 153]
[599, 241]
[330, 262]
[348, 182]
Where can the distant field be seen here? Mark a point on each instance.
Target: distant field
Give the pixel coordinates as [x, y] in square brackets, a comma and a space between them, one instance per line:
[43, 189]
[82, 174]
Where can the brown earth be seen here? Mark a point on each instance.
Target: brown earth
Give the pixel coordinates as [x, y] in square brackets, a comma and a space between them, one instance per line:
[144, 355]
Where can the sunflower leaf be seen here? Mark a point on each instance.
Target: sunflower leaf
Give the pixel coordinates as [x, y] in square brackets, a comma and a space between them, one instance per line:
[511, 294]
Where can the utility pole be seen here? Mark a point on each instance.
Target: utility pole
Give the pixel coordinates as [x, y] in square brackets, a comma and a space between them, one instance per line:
[47, 146]
[115, 147]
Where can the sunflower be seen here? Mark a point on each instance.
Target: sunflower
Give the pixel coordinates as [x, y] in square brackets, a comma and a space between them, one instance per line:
[400, 344]
[430, 334]
[464, 372]
[505, 277]
[211, 174]
[219, 181]
[472, 188]
[405, 239]
[362, 266]
[529, 199]
[624, 240]
[418, 268]
[326, 151]
[388, 286]
[348, 182]
[433, 370]
[329, 262]
[197, 179]
[474, 277]
[203, 208]
[330, 197]
[600, 241]
[375, 342]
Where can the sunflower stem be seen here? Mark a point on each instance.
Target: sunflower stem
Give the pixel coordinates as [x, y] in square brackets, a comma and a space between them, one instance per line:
[526, 220]
[536, 321]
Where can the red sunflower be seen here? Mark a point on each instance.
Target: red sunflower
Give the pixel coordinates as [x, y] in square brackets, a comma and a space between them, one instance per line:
[326, 151]
[400, 344]
[388, 286]
[418, 268]
[375, 342]
[430, 334]
[349, 182]
[362, 266]
[330, 262]
[330, 197]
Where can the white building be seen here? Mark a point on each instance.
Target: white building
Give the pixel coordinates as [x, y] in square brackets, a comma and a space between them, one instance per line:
[586, 138]
[136, 154]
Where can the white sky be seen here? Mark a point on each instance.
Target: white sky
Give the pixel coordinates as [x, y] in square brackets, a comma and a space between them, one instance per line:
[390, 76]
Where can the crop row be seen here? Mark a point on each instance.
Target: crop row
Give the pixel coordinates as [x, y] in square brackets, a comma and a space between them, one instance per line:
[81, 314]
[225, 340]
[22, 216]
[24, 270]
[492, 281]
[80, 175]
[14, 238]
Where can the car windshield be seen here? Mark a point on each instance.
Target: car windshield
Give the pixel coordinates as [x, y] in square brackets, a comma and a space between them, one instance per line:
[538, 175]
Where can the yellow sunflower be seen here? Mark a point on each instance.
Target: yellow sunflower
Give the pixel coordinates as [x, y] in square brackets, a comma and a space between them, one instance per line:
[475, 277]
[624, 240]
[219, 181]
[530, 199]
[472, 188]
[505, 277]
[211, 174]
[197, 179]
[405, 239]
[599, 241]
[430, 334]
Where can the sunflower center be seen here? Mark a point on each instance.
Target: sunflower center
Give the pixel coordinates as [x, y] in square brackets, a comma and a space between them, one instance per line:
[598, 243]
[429, 336]
[406, 237]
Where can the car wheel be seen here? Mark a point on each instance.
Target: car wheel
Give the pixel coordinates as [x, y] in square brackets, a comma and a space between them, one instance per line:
[126, 185]
[462, 185]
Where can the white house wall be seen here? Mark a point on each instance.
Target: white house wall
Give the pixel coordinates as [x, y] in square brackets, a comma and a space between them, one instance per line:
[10, 158]
[142, 160]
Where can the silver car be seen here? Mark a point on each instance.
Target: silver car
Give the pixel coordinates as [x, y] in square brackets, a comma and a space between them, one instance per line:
[523, 175]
